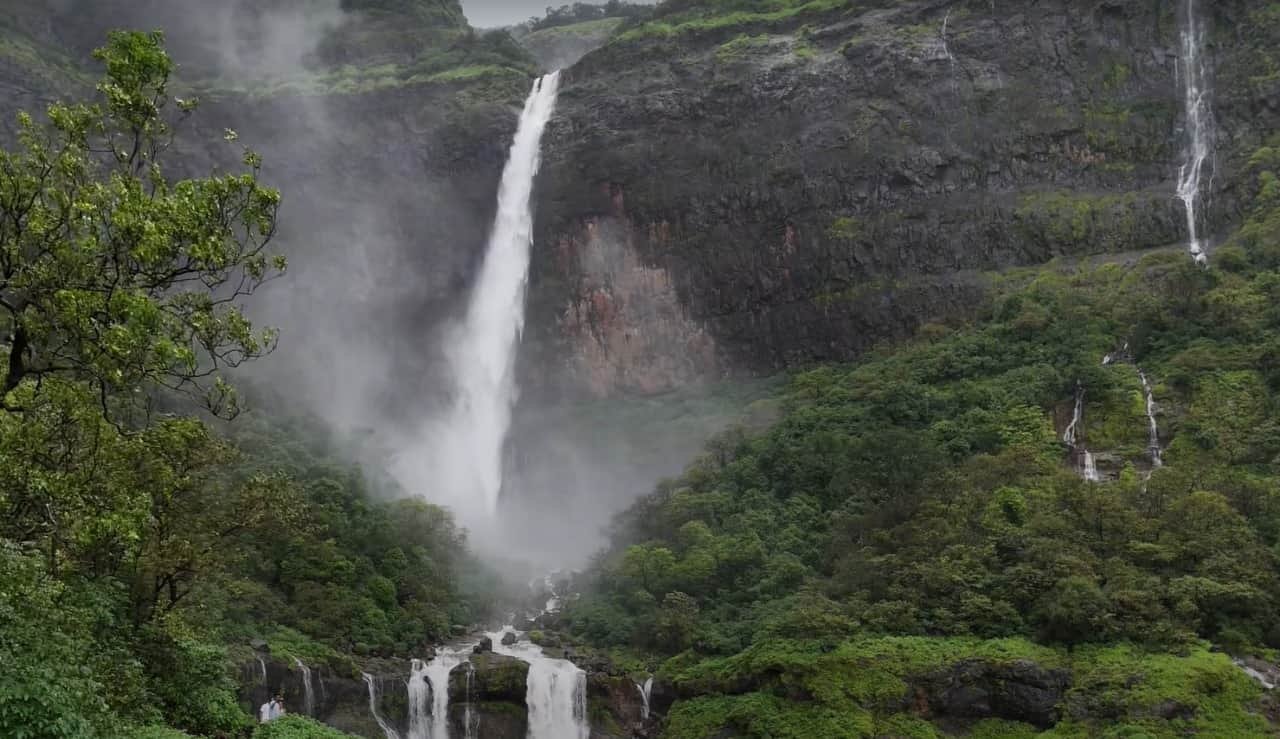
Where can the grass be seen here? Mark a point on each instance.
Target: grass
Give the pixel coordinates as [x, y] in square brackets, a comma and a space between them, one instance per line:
[706, 19]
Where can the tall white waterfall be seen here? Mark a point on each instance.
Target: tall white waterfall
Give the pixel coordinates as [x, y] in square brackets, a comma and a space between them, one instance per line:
[468, 470]
[1199, 123]
[372, 684]
[557, 692]
[308, 693]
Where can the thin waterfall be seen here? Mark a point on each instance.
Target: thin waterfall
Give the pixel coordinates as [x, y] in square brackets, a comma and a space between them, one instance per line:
[556, 691]
[645, 691]
[1153, 430]
[1071, 437]
[419, 696]
[946, 21]
[308, 693]
[482, 352]
[1199, 115]
[371, 682]
[262, 665]
[468, 723]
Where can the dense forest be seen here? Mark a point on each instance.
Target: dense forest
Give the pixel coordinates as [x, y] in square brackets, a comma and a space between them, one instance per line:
[921, 507]
[142, 530]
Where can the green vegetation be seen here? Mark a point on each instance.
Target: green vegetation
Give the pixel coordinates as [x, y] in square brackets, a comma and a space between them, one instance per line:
[734, 49]
[680, 18]
[916, 511]
[144, 539]
[296, 727]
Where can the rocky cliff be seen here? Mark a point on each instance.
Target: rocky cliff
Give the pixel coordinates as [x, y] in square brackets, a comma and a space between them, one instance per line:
[757, 190]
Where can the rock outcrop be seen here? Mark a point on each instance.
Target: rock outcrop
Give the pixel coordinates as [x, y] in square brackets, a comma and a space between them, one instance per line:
[777, 190]
[977, 689]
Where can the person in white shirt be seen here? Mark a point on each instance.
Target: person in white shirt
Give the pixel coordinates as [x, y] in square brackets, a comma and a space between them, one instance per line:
[272, 709]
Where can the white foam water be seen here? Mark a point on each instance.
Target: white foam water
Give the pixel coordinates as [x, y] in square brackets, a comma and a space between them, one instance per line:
[557, 691]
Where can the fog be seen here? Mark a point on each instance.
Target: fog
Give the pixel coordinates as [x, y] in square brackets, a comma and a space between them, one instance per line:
[384, 229]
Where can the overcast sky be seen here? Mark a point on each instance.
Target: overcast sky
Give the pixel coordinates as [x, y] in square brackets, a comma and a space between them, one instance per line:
[491, 13]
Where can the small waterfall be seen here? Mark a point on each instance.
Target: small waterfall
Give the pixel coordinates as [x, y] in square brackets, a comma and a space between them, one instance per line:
[645, 691]
[308, 693]
[262, 666]
[1153, 430]
[1199, 115]
[946, 20]
[1071, 436]
[372, 683]
[482, 352]
[1265, 681]
[468, 723]
[557, 692]
[436, 674]
[419, 696]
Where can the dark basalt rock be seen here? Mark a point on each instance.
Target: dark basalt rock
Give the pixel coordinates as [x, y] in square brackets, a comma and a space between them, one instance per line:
[509, 638]
[484, 645]
[704, 210]
[977, 689]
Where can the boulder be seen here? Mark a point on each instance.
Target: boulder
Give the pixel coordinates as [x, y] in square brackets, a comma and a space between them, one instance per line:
[484, 645]
[1019, 690]
[509, 638]
[493, 677]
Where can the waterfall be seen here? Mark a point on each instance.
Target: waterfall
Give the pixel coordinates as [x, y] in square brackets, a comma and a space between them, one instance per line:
[645, 691]
[1262, 679]
[308, 694]
[946, 49]
[1071, 436]
[372, 684]
[557, 692]
[1089, 470]
[419, 695]
[1153, 430]
[468, 724]
[262, 665]
[1196, 104]
[436, 674]
[482, 352]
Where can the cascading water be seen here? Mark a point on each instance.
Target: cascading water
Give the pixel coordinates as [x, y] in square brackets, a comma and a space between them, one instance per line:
[557, 691]
[1199, 124]
[308, 694]
[645, 691]
[436, 674]
[262, 665]
[482, 353]
[419, 697]
[1088, 469]
[1153, 430]
[372, 684]
[468, 723]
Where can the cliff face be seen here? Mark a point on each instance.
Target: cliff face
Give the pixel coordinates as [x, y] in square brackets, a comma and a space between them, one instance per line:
[763, 190]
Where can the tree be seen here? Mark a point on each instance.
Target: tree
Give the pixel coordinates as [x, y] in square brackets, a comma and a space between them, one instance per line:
[110, 274]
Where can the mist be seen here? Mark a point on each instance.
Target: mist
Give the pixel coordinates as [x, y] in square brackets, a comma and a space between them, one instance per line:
[389, 199]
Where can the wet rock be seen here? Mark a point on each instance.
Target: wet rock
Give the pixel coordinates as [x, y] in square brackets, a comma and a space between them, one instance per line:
[509, 638]
[484, 645]
[493, 678]
[976, 689]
